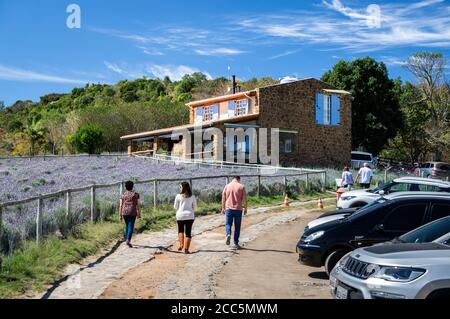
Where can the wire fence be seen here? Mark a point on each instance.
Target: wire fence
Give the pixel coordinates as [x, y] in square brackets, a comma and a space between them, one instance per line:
[60, 212]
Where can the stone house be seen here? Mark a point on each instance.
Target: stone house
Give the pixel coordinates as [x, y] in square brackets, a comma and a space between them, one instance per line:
[313, 118]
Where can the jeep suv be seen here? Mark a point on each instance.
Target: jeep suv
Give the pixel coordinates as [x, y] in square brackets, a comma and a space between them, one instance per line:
[413, 266]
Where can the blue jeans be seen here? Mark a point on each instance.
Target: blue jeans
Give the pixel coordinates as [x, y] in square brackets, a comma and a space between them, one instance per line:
[236, 216]
[129, 226]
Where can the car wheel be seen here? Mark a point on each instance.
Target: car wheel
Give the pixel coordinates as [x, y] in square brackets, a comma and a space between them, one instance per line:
[440, 294]
[333, 258]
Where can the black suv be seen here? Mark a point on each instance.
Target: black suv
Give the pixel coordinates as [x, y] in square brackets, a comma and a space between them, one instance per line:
[380, 221]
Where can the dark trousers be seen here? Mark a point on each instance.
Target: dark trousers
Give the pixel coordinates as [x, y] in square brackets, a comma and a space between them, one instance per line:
[129, 226]
[364, 185]
[185, 227]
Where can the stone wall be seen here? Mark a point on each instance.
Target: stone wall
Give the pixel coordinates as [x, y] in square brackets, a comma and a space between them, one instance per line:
[291, 106]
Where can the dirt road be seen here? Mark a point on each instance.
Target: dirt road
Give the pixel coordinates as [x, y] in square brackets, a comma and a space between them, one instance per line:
[266, 267]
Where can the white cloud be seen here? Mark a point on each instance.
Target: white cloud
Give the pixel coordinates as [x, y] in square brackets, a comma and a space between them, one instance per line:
[15, 74]
[282, 55]
[114, 67]
[424, 23]
[174, 72]
[218, 51]
[151, 51]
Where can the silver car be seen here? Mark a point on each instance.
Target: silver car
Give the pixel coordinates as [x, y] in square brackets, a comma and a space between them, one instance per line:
[414, 266]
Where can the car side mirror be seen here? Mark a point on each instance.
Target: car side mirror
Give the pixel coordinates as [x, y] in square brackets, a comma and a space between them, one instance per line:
[381, 193]
[379, 228]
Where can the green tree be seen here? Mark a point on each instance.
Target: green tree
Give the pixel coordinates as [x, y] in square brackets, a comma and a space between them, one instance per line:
[88, 139]
[429, 70]
[411, 142]
[375, 109]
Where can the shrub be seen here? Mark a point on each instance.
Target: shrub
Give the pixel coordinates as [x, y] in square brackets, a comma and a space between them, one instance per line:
[10, 240]
[68, 224]
[88, 139]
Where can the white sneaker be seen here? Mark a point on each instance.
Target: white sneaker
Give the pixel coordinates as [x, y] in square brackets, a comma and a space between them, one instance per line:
[236, 247]
[228, 240]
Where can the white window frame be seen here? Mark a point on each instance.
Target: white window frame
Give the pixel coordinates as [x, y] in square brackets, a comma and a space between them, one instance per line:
[208, 114]
[241, 107]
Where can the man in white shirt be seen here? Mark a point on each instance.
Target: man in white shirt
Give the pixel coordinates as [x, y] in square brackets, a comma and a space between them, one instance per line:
[366, 174]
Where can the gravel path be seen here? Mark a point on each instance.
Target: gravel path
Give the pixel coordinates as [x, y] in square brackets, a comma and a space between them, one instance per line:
[91, 278]
[152, 269]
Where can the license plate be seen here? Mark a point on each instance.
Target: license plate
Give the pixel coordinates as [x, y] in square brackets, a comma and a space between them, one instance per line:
[341, 293]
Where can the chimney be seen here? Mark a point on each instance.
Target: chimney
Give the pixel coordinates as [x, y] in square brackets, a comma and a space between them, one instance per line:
[234, 84]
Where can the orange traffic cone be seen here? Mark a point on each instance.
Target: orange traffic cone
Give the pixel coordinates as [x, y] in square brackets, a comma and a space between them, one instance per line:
[286, 201]
[320, 203]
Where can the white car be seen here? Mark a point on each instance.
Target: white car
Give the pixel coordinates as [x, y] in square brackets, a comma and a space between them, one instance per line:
[359, 198]
[359, 158]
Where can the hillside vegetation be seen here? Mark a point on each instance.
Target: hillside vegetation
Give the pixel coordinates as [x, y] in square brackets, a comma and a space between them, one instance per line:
[405, 121]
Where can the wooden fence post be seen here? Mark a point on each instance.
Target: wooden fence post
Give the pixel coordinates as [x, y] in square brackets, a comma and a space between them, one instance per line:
[190, 184]
[324, 186]
[259, 186]
[68, 202]
[285, 184]
[93, 203]
[39, 221]
[120, 189]
[1, 220]
[307, 180]
[155, 193]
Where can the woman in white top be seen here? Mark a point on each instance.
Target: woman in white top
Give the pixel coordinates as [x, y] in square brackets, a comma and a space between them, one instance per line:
[186, 205]
[347, 179]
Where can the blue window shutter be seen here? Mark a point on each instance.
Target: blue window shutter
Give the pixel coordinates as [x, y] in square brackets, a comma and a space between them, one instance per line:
[335, 110]
[231, 108]
[199, 115]
[319, 108]
[215, 110]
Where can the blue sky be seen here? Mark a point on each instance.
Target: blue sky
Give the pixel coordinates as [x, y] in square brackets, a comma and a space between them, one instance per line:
[118, 40]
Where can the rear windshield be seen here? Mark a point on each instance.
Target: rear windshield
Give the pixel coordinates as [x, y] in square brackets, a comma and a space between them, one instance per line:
[361, 157]
[428, 233]
[444, 167]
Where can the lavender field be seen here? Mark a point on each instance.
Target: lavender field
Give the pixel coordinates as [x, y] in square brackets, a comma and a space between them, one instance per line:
[24, 178]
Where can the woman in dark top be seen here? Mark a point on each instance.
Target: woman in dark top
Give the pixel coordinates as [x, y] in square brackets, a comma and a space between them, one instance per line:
[129, 210]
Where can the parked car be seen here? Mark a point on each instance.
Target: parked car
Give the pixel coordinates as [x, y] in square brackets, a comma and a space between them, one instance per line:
[361, 197]
[359, 158]
[437, 170]
[326, 240]
[416, 265]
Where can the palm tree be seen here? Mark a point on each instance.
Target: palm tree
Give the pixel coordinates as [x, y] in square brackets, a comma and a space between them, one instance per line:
[35, 132]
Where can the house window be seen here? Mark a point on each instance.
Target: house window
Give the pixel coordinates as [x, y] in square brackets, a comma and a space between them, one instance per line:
[198, 115]
[288, 146]
[241, 107]
[211, 113]
[328, 108]
[288, 142]
[207, 114]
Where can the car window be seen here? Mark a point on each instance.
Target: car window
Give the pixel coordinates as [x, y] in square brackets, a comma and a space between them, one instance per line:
[429, 188]
[400, 187]
[439, 211]
[444, 167]
[405, 217]
[361, 157]
[428, 232]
